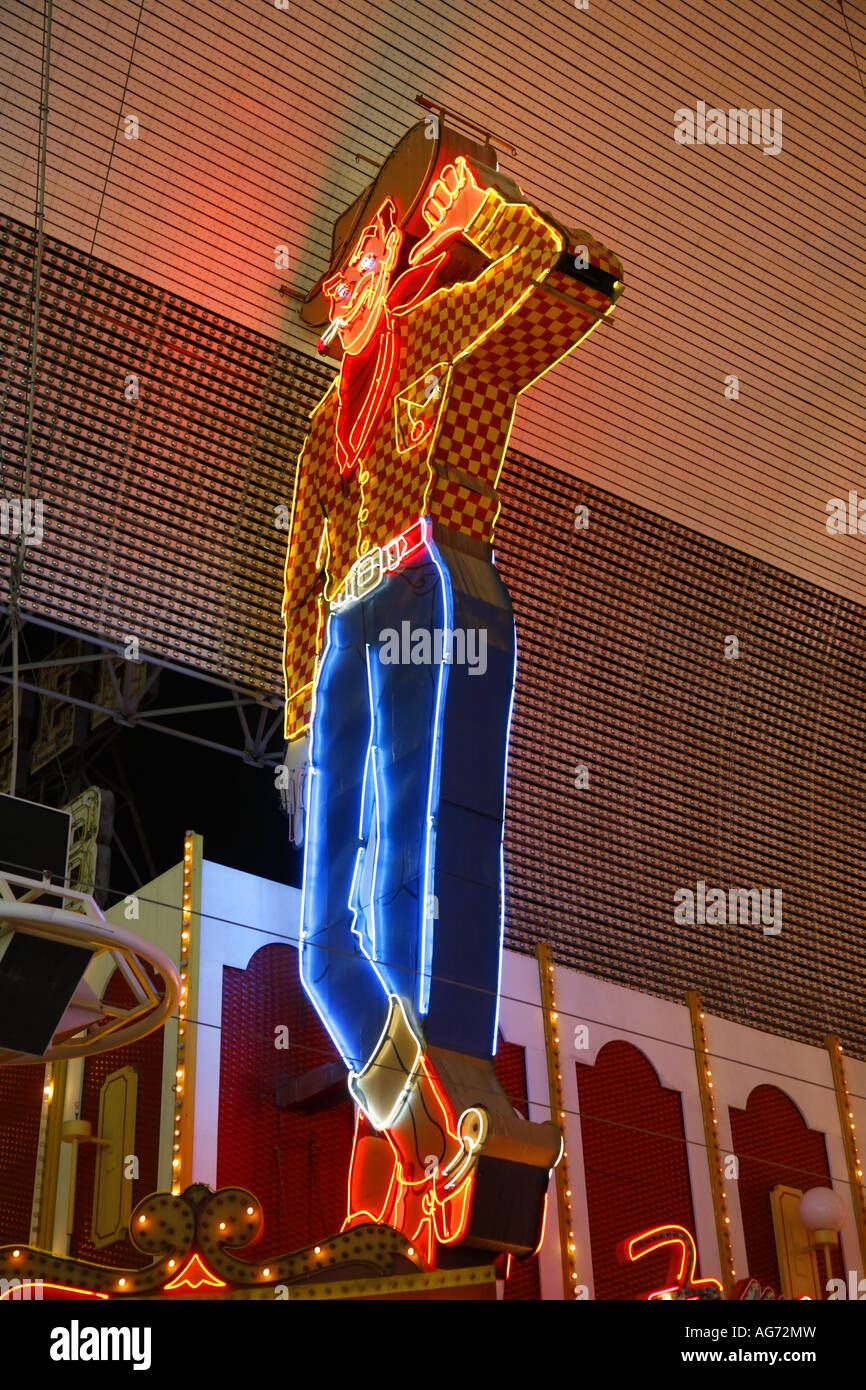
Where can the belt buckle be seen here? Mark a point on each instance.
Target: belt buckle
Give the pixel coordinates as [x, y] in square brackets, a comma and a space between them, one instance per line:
[368, 572]
[393, 552]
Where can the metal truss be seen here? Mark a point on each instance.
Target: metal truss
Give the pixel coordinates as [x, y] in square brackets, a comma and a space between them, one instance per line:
[259, 713]
[89, 1025]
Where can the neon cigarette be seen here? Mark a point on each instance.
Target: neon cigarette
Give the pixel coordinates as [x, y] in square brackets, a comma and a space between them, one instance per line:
[333, 327]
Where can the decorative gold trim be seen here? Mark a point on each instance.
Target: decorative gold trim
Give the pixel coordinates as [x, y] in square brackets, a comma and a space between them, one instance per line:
[849, 1143]
[190, 938]
[711, 1137]
[397, 1284]
[567, 1243]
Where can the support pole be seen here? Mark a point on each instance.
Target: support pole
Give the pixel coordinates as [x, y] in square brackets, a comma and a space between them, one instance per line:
[849, 1142]
[567, 1243]
[711, 1138]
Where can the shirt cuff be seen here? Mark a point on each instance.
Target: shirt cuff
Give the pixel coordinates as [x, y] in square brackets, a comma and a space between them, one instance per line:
[485, 219]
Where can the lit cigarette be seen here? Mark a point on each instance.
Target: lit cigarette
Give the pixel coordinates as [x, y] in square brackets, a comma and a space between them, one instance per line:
[333, 327]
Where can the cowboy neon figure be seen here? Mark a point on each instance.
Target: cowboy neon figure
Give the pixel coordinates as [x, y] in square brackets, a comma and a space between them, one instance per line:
[392, 522]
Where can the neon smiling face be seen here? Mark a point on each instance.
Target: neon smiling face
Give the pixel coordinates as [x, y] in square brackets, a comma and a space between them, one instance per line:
[356, 295]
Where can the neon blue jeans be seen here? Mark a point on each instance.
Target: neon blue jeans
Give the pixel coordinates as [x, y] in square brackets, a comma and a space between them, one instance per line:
[403, 883]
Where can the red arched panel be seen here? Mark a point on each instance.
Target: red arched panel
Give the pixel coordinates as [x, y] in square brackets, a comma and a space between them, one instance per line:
[774, 1146]
[635, 1165]
[295, 1162]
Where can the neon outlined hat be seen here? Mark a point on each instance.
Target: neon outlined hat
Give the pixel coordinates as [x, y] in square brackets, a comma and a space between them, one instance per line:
[415, 161]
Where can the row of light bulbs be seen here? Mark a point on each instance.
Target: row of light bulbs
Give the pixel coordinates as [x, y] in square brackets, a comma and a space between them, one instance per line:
[716, 1157]
[563, 1162]
[180, 1073]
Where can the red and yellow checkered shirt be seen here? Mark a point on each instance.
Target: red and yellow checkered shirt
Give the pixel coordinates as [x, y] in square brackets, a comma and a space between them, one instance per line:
[464, 355]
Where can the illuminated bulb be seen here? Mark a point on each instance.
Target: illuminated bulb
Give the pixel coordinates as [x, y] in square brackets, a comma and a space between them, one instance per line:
[411, 1249]
[554, 1017]
[46, 1091]
[571, 1248]
[15, 1254]
[175, 1163]
[251, 1211]
[121, 1283]
[222, 1225]
[171, 1264]
[142, 1220]
[265, 1273]
[318, 1249]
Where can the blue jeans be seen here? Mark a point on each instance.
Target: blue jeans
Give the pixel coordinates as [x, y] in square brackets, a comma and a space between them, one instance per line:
[406, 797]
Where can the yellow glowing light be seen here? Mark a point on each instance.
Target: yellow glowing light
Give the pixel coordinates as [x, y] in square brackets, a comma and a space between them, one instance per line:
[250, 1211]
[142, 1220]
[265, 1273]
[121, 1283]
[318, 1249]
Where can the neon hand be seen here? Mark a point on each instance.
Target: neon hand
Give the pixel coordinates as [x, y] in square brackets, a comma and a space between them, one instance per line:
[450, 206]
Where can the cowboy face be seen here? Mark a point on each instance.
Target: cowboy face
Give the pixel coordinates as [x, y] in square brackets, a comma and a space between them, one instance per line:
[357, 294]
